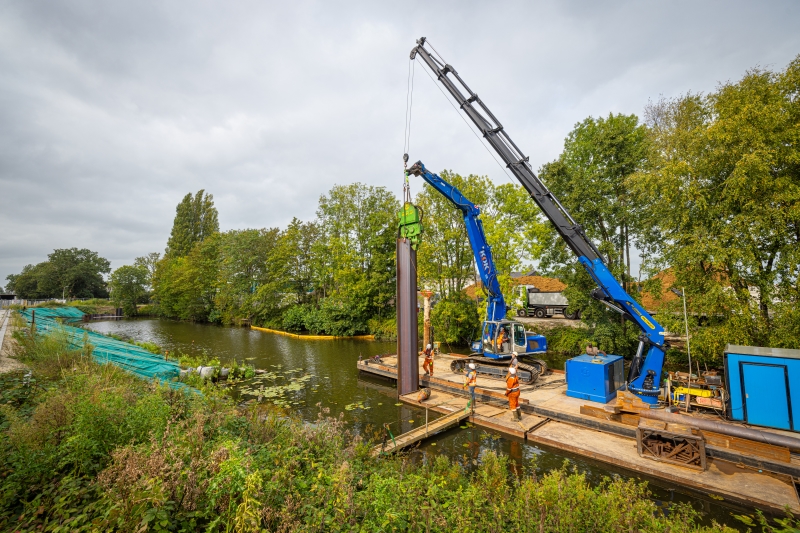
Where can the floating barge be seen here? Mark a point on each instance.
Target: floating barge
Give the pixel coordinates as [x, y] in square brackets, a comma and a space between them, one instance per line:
[738, 470]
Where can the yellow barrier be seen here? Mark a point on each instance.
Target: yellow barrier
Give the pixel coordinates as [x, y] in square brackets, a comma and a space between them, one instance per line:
[313, 337]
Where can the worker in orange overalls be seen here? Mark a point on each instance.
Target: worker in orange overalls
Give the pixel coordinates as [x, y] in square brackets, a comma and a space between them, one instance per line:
[427, 365]
[471, 381]
[512, 391]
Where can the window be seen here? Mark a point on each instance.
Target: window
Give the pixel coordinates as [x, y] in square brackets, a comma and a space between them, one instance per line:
[519, 335]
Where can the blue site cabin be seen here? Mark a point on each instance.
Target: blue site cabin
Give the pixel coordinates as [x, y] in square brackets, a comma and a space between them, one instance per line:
[764, 386]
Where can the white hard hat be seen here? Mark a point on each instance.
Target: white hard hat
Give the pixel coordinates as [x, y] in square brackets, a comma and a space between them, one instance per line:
[512, 370]
[429, 346]
[472, 366]
[515, 354]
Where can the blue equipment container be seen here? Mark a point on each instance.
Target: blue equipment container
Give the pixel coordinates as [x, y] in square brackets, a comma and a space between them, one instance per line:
[764, 385]
[595, 378]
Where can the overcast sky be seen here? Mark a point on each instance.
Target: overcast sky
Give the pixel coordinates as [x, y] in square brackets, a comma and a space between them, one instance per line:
[110, 112]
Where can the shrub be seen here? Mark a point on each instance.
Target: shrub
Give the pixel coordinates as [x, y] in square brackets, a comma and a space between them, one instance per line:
[95, 449]
[455, 319]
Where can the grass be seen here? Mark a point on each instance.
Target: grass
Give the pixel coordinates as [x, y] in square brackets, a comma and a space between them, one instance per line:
[85, 447]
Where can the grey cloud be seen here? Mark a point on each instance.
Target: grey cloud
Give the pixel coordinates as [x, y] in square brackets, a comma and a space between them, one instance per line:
[111, 112]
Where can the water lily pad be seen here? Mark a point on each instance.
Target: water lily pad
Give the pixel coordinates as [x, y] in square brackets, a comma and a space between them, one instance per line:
[465, 445]
[433, 444]
[410, 421]
[398, 404]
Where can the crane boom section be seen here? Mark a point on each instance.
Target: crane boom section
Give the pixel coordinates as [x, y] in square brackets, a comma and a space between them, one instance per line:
[496, 308]
[643, 374]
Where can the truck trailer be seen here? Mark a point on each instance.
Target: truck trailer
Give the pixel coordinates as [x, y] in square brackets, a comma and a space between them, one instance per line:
[542, 304]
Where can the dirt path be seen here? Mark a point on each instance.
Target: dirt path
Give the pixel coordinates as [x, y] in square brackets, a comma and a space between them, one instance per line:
[7, 363]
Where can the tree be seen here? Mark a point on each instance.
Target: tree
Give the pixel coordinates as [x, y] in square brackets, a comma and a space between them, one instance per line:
[77, 272]
[149, 262]
[296, 249]
[128, 286]
[250, 276]
[445, 259]
[724, 196]
[592, 180]
[195, 220]
[354, 258]
[185, 287]
[71, 272]
[511, 222]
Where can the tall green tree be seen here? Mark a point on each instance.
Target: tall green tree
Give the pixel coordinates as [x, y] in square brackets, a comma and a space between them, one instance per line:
[250, 277]
[444, 259]
[196, 219]
[355, 264]
[296, 250]
[68, 272]
[511, 222]
[128, 286]
[724, 195]
[186, 287]
[592, 179]
[149, 262]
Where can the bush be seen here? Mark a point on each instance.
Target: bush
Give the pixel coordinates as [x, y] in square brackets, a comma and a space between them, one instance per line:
[91, 448]
[294, 318]
[384, 329]
[567, 340]
[455, 319]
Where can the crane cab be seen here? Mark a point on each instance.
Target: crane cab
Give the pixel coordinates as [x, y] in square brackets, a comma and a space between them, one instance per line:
[500, 338]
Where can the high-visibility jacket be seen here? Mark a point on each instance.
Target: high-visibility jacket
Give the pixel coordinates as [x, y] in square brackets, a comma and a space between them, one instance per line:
[428, 354]
[512, 383]
[472, 378]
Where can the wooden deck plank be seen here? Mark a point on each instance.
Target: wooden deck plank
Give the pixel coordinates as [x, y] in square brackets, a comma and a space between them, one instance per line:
[421, 433]
[733, 473]
[742, 485]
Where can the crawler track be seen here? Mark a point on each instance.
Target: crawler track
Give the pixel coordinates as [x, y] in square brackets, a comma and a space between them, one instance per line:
[495, 369]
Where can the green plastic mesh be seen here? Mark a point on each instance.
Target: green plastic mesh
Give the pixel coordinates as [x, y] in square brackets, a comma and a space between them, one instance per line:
[129, 357]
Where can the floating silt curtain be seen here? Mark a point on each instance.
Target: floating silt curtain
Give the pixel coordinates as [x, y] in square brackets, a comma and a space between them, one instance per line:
[407, 328]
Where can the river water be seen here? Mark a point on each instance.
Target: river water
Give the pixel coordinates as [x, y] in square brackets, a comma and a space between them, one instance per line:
[366, 404]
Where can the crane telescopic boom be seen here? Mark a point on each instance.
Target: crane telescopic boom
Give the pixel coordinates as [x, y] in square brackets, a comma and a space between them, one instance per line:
[644, 378]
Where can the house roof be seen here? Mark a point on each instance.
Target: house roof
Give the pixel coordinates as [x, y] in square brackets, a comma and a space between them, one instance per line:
[653, 302]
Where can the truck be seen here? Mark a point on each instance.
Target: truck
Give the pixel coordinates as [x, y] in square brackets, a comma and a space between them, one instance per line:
[644, 375]
[530, 301]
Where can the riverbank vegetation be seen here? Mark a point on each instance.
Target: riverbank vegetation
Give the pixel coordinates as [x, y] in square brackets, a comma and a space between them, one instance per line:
[85, 447]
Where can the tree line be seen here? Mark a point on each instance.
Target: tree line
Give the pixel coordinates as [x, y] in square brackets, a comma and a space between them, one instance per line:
[706, 187]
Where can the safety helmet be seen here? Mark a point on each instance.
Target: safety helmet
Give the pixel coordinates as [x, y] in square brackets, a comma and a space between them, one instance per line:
[512, 370]
[429, 346]
[472, 366]
[515, 354]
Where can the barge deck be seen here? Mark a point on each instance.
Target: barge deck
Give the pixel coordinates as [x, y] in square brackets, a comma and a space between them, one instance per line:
[767, 478]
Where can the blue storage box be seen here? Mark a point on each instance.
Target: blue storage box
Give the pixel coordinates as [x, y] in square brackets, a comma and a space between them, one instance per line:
[595, 378]
[764, 385]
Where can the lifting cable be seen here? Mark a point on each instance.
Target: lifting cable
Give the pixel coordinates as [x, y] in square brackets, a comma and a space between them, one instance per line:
[407, 132]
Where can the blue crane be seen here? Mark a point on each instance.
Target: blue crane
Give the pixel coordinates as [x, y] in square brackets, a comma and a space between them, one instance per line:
[499, 337]
[644, 376]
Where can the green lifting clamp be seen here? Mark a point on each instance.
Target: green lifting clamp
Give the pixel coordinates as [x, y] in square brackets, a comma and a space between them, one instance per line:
[410, 226]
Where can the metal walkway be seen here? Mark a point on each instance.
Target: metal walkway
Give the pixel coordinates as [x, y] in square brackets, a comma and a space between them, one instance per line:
[422, 432]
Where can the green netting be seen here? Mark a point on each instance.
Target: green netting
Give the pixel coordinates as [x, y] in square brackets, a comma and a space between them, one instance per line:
[127, 356]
